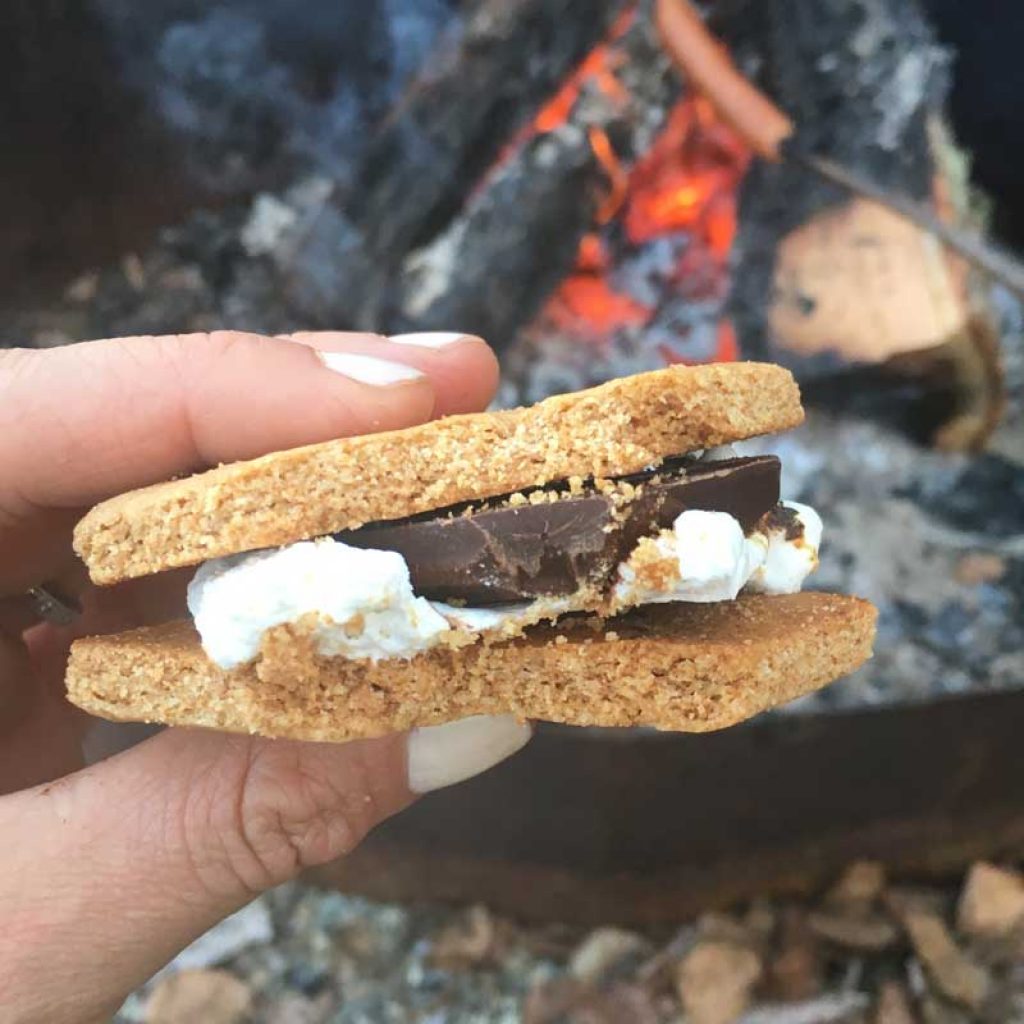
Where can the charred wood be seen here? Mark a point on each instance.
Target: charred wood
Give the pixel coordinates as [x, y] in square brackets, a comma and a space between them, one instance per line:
[492, 269]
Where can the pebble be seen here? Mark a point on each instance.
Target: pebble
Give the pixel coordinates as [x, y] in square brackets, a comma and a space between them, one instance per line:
[188, 997]
[953, 973]
[715, 980]
[992, 902]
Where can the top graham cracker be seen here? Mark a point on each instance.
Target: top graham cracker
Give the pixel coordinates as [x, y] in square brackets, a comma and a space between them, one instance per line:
[616, 428]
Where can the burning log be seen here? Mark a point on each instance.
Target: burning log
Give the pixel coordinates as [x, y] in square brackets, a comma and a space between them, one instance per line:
[483, 272]
[458, 115]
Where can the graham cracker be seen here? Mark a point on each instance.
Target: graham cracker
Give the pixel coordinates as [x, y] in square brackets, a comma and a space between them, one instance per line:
[607, 431]
[684, 667]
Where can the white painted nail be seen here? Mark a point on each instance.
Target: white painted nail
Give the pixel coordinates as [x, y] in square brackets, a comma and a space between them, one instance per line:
[369, 369]
[441, 755]
[433, 339]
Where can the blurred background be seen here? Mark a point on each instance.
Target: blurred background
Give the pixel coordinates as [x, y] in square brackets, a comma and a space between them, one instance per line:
[545, 174]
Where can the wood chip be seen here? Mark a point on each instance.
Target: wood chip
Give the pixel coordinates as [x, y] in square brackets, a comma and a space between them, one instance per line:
[953, 974]
[725, 928]
[620, 1003]
[560, 999]
[761, 920]
[992, 902]
[715, 980]
[795, 970]
[602, 950]
[469, 941]
[213, 997]
[867, 934]
[937, 1011]
[862, 883]
[551, 1000]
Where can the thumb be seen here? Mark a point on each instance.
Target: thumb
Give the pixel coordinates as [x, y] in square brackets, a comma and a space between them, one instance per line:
[119, 866]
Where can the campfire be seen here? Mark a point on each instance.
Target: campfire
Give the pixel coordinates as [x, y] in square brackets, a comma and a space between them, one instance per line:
[631, 195]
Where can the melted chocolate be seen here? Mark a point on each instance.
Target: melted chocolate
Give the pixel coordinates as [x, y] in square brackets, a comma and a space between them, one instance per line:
[522, 552]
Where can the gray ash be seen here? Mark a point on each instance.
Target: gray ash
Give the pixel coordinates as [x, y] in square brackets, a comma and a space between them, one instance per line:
[254, 88]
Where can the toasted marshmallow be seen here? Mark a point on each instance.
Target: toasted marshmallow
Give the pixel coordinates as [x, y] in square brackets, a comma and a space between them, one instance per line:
[789, 562]
[704, 557]
[363, 606]
[363, 601]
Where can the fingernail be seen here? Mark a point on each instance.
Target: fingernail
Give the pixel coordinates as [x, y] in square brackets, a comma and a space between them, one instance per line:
[433, 339]
[441, 755]
[369, 369]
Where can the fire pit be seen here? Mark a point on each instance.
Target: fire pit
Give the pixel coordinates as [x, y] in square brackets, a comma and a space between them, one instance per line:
[540, 173]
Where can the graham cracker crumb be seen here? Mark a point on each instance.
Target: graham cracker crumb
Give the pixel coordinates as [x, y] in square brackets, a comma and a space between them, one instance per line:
[653, 568]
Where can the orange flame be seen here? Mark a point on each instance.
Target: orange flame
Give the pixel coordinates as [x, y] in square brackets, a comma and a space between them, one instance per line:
[688, 180]
[599, 67]
[686, 183]
[618, 179]
[588, 305]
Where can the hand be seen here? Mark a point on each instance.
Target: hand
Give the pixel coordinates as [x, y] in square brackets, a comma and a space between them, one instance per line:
[110, 870]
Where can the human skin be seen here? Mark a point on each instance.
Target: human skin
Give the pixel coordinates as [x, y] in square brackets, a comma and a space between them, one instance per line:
[107, 871]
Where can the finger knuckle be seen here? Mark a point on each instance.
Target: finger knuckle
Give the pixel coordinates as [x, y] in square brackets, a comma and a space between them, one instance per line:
[284, 815]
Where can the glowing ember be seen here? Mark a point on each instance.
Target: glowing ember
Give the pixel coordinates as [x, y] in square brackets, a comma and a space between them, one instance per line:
[617, 177]
[593, 255]
[587, 303]
[688, 181]
[682, 191]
